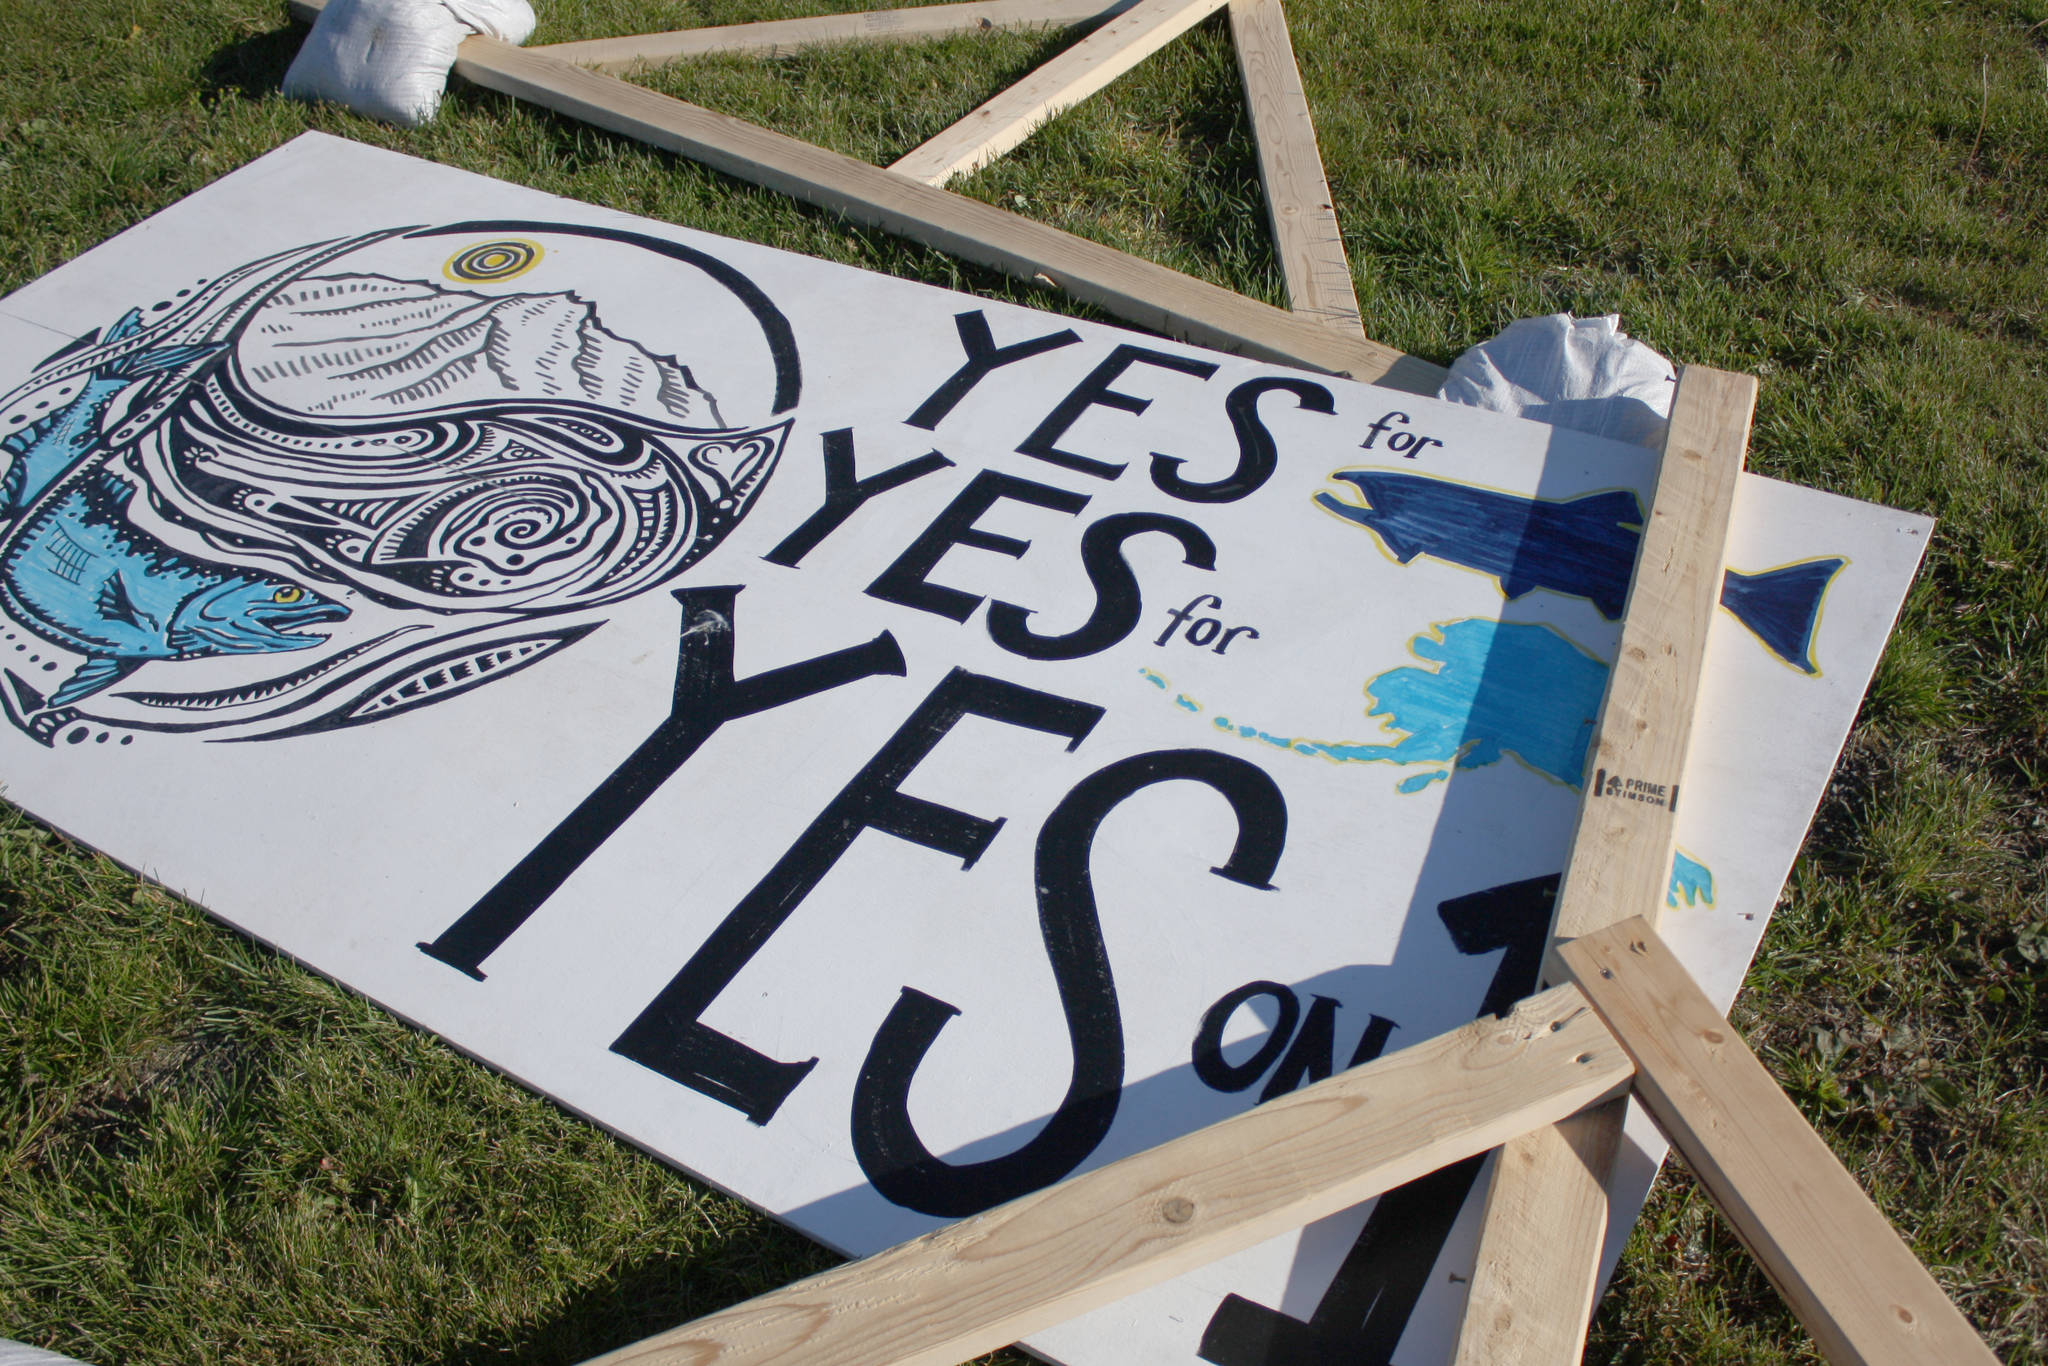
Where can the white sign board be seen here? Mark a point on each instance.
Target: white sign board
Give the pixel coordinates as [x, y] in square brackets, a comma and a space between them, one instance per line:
[879, 749]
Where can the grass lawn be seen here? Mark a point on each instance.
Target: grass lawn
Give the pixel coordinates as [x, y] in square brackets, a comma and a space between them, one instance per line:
[207, 1154]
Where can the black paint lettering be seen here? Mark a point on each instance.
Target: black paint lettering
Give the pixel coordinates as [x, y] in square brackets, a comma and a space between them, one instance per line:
[1410, 445]
[1360, 1319]
[1312, 1056]
[890, 1152]
[1176, 615]
[1118, 602]
[1514, 917]
[1211, 1066]
[1257, 456]
[983, 356]
[1362, 1315]
[1379, 427]
[706, 697]
[671, 1038]
[1094, 391]
[1249, 632]
[844, 494]
[1373, 1042]
[906, 582]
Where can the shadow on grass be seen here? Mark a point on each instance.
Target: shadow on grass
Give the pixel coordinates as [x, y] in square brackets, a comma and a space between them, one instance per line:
[251, 69]
[652, 1295]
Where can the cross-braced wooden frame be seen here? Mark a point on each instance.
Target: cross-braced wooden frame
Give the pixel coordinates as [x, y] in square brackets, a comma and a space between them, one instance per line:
[1548, 1082]
[1325, 336]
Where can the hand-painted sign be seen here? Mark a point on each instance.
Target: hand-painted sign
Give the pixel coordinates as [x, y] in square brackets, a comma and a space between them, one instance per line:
[881, 750]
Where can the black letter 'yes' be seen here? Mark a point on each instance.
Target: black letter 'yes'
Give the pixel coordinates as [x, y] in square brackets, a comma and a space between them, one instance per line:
[1257, 456]
[706, 697]
[671, 1037]
[884, 1139]
[846, 494]
[1118, 603]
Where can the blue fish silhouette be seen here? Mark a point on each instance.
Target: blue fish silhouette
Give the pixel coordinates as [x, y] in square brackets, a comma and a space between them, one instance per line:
[1581, 547]
[51, 447]
[76, 571]
[1782, 606]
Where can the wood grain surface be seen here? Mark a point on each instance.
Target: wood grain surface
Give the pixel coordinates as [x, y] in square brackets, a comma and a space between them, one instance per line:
[1839, 1263]
[1021, 1267]
[1298, 200]
[1545, 1223]
[1008, 118]
[780, 37]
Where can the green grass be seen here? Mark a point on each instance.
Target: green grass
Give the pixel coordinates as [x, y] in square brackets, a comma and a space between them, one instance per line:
[207, 1154]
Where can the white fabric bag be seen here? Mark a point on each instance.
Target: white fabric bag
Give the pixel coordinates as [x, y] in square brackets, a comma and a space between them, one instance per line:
[389, 59]
[1582, 373]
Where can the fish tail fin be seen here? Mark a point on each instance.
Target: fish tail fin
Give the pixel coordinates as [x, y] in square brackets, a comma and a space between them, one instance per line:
[161, 359]
[93, 675]
[1782, 606]
[31, 715]
[130, 323]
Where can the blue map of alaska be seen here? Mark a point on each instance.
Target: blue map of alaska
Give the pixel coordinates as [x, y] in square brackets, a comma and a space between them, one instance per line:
[1484, 691]
[1581, 547]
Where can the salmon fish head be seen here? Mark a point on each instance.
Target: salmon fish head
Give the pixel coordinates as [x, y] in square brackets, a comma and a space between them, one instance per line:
[245, 615]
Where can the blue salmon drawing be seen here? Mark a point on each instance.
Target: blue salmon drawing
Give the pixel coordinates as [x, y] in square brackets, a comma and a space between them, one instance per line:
[1581, 547]
[51, 447]
[78, 573]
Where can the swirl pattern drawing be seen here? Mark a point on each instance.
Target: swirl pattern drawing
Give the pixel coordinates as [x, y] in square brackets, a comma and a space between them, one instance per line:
[411, 467]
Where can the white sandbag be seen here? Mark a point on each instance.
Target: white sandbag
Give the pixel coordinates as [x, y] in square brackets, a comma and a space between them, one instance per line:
[509, 21]
[389, 59]
[1583, 373]
[14, 1353]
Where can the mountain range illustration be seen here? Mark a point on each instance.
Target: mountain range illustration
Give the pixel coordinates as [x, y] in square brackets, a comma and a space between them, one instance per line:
[371, 346]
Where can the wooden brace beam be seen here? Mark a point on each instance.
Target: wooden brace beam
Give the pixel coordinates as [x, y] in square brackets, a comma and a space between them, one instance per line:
[1094, 1238]
[780, 37]
[1298, 199]
[1621, 851]
[1838, 1262]
[1546, 1212]
[1012, 116]
[1129, 287]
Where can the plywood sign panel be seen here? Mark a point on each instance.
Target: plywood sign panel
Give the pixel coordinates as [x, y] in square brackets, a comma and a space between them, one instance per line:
[879, 749]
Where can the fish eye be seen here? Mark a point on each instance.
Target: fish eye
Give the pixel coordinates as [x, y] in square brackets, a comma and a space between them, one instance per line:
[288, 594]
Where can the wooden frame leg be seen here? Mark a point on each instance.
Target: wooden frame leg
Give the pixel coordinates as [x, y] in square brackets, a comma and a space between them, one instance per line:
[781, 37]
[1298, 200]
[1546, 1214]
[1547, 1178]
[1838, 1262]
[1097, 1237]
[1012, 116]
